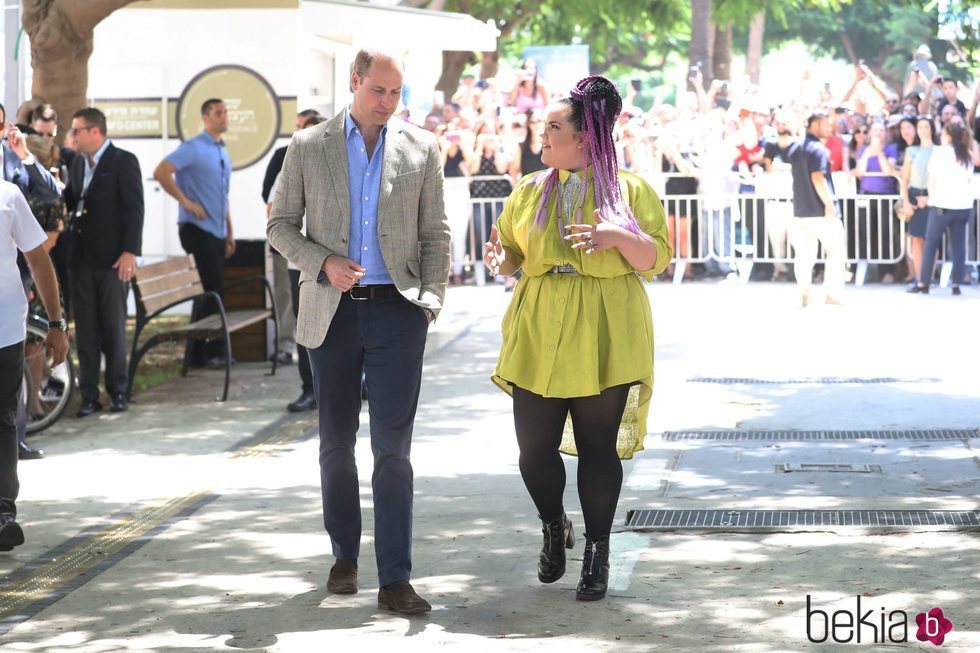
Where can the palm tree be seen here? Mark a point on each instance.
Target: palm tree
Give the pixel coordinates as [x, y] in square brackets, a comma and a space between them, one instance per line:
[702, 35]
[61, 33]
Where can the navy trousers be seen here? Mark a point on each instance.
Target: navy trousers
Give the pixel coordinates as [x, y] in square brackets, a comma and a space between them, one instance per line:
[386, 339]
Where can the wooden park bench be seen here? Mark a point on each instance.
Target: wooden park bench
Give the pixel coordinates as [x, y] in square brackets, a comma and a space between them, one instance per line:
[162, 286]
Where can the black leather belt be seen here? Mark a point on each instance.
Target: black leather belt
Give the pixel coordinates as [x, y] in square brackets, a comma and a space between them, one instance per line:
[386, 291]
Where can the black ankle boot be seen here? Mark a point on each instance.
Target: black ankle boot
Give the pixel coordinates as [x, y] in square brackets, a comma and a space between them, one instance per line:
[595, 569]
[558, 536]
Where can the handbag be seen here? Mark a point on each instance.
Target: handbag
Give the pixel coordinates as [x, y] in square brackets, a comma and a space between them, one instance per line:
[899, 210]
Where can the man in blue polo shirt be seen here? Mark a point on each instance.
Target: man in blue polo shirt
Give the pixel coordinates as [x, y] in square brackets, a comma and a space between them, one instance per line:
[815, 218]
[198, 175]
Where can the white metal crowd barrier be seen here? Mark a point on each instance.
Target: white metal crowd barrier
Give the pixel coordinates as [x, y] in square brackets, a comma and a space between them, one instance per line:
[728, 231]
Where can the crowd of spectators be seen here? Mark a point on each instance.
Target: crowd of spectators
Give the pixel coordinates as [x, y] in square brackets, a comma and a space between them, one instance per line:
[715, 142]
[721, 139]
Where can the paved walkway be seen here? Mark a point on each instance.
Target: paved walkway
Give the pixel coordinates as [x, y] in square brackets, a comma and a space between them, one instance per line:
[196, 525]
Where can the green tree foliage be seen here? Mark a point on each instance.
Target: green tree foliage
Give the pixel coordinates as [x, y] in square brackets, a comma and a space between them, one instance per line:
[636, 38]
[740, 12]
[961, 22]
[621, 34]
[883, 34]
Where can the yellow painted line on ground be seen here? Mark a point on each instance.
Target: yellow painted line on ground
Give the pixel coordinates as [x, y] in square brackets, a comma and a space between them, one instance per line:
[92, 551]
[283, 435]
[51, 578]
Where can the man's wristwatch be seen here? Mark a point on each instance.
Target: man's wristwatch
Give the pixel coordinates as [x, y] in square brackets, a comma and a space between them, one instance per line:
[60, 323]
[429, 314]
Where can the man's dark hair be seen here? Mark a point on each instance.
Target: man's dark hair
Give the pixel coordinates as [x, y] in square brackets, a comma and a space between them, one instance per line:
[3, 111]
[308, 113]
[315, 119]
[44, 112]
[816, 116]
[93, 118]
[961, 142]
[209, 104]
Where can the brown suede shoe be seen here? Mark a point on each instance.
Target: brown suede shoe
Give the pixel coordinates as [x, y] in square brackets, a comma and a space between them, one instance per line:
[343, 577]
[400, 596]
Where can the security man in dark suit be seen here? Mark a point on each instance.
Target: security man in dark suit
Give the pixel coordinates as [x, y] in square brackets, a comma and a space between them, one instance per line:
[105, 206]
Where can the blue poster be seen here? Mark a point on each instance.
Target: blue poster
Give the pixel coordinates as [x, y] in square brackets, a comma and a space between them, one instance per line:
[560, 67]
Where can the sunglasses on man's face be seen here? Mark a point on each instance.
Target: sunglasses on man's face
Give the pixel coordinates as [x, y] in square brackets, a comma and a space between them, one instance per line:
[47, 134]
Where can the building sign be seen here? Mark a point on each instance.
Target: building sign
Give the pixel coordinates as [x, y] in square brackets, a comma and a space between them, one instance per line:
[137, 118]
[560, 67]
[253, 111]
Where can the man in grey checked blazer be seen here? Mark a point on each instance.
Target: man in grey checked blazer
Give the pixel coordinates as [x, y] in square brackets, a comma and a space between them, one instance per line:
[374, 262]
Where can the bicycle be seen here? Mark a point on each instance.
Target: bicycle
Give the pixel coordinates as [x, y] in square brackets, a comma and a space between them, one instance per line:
[48, 389]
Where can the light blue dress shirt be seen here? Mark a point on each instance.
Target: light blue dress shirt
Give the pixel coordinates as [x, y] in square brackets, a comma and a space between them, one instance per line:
[89, 171]
[365, 191]
[204, 175]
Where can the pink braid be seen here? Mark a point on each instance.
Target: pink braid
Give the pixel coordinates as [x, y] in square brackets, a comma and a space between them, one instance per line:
[598, 119]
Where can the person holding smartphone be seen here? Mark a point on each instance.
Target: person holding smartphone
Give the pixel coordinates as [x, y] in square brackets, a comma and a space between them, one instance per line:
[22, 168]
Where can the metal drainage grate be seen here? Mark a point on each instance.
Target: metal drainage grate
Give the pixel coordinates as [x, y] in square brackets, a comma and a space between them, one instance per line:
[828, 467]
[679, 519]
[739, 435]
[817, 380]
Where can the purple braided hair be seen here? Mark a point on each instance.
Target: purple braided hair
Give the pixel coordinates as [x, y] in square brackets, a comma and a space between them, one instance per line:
[595, 103]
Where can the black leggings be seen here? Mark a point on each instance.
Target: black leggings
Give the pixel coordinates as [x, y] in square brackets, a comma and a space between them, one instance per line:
[540, 421]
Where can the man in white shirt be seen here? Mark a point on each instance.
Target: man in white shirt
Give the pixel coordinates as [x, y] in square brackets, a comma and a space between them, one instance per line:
[20, 231]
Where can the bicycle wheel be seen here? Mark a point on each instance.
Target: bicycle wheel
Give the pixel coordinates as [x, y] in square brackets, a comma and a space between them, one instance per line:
[51, 388]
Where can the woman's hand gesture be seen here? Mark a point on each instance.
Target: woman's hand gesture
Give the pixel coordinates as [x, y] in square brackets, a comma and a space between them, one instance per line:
[494, 254]
[592, 238]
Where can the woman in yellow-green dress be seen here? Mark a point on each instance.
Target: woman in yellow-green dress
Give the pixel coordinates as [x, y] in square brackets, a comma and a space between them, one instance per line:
[578, 335]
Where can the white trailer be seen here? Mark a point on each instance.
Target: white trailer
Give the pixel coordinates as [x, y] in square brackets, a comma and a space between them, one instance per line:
[155, 61]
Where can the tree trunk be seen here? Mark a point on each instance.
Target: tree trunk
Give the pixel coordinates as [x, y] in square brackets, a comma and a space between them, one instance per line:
[701, 37]
[61, 33]
[490, 61]
[453, 64]
[489, 64]
[721, 59]
[845, 40]
[753, 56]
